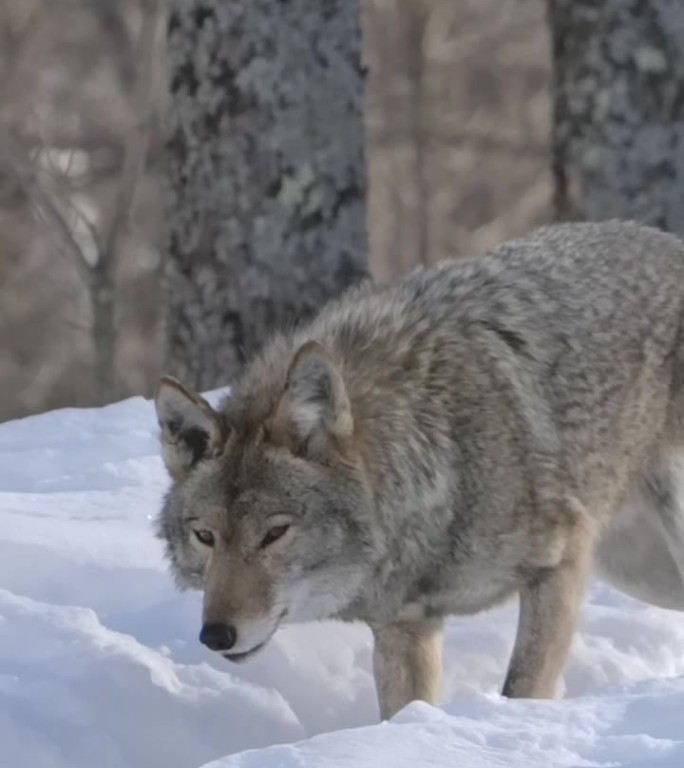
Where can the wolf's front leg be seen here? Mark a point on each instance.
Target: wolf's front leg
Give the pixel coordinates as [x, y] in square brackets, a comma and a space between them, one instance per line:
[549, 604]
[407, 663]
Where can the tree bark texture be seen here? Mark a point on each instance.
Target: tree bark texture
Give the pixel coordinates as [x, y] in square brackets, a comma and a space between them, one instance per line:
[267, 174]
[618, 135]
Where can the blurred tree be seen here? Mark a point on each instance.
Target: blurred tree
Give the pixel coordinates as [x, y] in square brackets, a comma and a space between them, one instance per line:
[267, 174]
[53, 160]
[618, 135]
[398, 119]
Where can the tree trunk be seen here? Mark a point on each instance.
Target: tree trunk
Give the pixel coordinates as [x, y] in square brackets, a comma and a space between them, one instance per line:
[104, 339]
[267, 174]
[618, 137]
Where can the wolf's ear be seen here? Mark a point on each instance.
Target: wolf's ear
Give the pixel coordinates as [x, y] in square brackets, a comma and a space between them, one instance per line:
[314, 407]
[191, 430]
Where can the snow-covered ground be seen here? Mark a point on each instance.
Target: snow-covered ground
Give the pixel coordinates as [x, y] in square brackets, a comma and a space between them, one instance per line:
[100, 663]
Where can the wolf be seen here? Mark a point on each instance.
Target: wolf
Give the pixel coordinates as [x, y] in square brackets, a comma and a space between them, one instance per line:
[490, 427]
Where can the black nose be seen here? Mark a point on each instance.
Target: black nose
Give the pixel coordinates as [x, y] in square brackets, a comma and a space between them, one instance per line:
[218, 637]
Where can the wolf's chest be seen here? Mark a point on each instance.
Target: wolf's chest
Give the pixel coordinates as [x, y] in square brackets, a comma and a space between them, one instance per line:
[465, 593]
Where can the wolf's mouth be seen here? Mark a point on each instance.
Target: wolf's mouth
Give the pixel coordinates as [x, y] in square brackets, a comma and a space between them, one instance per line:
[237, 658]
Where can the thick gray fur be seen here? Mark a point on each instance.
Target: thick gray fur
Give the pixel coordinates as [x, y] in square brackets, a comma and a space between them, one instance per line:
[482, 429]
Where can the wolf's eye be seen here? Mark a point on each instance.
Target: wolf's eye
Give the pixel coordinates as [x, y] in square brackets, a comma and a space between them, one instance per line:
[273, 535]
[205, 537]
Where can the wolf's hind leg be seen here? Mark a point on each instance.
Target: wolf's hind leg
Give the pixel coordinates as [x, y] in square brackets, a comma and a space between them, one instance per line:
[407, 663]
[641, 552]
[549, 605]
[666, 483]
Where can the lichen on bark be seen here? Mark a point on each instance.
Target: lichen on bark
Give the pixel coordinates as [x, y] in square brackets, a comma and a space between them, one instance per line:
[618, 91]
[266, 198]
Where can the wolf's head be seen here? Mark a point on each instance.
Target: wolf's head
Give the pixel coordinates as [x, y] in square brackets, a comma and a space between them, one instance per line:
[269, 508]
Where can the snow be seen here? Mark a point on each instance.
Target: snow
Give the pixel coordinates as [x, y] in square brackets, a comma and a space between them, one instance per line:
[100, 663]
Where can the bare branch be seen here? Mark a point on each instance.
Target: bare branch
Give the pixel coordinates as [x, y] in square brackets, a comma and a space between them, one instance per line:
[24, 169]
[93, 232]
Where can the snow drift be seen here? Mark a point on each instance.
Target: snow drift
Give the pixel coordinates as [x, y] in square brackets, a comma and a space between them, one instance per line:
[100, 663]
